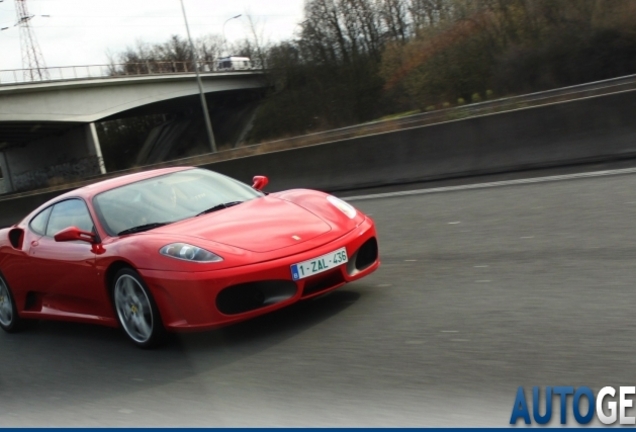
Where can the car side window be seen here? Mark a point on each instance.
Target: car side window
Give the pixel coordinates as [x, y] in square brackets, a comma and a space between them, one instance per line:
[69, 213]
[38, 223]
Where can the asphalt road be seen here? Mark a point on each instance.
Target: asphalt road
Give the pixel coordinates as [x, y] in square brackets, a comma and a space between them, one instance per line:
[480, 291]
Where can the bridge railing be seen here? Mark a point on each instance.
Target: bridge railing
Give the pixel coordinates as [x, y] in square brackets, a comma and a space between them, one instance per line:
[21, 76]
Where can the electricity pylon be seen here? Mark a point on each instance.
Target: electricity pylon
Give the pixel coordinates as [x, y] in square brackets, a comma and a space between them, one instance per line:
[32, 59]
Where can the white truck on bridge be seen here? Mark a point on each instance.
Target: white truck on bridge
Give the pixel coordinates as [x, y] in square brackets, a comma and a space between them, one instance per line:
[233, 63]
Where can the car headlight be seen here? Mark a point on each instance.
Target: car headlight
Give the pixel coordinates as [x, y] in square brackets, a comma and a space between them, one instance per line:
[188, 252]
[344, 207]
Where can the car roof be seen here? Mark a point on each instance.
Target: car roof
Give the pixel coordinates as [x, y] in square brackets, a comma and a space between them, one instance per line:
[88, 192]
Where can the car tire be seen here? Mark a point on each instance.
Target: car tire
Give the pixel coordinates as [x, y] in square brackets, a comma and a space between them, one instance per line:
[10, 321]
[136, 310]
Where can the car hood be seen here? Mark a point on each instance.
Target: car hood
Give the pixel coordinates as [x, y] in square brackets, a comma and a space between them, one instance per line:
[260, 225]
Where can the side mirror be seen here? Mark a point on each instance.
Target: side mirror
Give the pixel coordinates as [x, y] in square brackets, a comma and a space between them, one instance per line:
[73, 234]
[259, 182]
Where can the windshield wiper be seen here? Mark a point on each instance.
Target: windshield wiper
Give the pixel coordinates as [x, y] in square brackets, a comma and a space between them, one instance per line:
[141, 228]
[220, 207]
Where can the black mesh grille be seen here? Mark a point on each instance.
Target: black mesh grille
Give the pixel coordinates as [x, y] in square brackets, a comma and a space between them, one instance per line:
[367, 254]
[323, 282]
[254, 295]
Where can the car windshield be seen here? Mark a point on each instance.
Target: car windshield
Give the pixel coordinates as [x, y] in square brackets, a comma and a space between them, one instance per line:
[150, 203]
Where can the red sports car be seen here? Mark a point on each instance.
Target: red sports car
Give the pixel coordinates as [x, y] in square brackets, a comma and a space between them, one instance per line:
[178, 249]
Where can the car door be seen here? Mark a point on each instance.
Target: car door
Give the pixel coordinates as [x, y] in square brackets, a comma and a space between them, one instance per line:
[65, 276]
[18, 269]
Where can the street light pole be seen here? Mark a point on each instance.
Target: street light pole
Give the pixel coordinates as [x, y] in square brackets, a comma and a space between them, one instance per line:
[226, 21]
[204, 105]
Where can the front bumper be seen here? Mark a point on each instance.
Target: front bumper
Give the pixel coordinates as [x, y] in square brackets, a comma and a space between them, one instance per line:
[189, 301]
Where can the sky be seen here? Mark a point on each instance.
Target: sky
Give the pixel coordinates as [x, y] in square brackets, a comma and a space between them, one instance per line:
[84, 32]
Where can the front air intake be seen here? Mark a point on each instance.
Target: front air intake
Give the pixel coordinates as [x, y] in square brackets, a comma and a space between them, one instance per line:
[367, 254]
[323, 282]
[250, 296]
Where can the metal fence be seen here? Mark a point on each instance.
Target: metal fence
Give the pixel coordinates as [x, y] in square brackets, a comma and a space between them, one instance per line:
[20, 76]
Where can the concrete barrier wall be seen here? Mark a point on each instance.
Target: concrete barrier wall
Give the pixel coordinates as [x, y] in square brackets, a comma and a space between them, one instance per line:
[594, 129]
[586, 130]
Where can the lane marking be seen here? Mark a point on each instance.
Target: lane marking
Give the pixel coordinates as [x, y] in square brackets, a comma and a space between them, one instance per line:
[493, 184]
[450, 331]
[454, 223]
[483, 281]
[527, 237]
[481, 266]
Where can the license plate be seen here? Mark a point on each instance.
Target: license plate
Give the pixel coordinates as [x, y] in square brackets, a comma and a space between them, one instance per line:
[319, 265]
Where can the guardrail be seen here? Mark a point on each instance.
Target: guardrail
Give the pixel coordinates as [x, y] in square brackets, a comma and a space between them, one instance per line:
[64, 73]
[441, 115]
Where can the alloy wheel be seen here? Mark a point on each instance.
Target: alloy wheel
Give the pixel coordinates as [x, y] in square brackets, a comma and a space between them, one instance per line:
[6, 306]
[134, 309]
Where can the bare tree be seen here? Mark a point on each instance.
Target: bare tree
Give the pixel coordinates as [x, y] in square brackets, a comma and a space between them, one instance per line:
[209, 48]
[394, 13]
[257, 40]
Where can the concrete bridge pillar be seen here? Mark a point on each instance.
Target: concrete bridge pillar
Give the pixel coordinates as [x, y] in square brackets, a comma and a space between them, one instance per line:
[5, 182]
[93, 146]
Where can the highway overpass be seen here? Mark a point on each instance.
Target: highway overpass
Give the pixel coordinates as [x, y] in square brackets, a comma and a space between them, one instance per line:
[45, 123]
